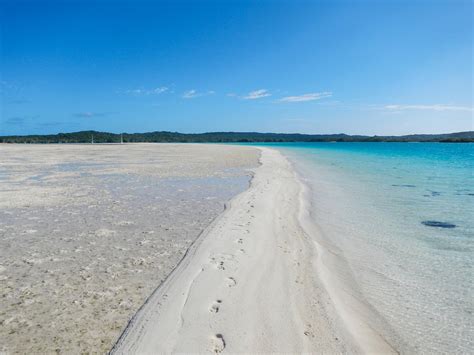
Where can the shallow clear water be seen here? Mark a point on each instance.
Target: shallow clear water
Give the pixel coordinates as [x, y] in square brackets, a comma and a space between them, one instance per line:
[370, 200]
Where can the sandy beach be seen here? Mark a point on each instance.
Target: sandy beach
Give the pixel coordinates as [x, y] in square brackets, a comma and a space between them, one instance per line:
[87, 232]
[236, 177]
[164, 249]
[251, 283]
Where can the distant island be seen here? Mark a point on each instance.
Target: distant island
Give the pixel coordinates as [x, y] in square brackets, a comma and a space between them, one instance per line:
[228, 137]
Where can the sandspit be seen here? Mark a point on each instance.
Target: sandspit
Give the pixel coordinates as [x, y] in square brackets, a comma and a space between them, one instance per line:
[249, 284]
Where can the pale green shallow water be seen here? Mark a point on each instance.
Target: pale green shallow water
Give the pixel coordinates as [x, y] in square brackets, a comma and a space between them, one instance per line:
[370, 200]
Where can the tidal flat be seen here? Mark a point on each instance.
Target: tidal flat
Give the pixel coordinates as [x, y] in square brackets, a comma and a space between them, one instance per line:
[87, 232]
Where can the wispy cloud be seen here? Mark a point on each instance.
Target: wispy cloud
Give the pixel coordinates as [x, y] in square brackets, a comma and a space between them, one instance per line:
[91, 114]
[436, 107]
[16, 121]
[19, 120]
[307, 97]
[155, 91]
[11, 89]
[257, 94]
[191, 94]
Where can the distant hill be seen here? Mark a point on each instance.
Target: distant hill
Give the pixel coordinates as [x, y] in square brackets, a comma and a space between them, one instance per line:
[229, 137]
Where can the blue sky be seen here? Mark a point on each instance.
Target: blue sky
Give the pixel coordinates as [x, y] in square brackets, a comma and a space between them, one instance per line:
[358, 67]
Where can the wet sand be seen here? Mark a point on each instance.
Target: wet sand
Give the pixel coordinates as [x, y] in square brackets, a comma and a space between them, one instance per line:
[87, 232]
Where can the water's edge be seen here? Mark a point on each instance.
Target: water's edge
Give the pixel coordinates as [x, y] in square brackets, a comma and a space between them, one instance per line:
[358, 320]
[385, 268]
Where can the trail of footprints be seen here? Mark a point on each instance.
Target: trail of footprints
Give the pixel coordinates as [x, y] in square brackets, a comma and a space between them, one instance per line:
[219, 261]
[218, 343]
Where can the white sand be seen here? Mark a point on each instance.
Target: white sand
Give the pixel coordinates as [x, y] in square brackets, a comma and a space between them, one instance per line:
[87, 232]
[252, 283]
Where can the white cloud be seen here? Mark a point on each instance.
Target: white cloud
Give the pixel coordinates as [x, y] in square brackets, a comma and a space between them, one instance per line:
[307, 97]
[134, 91]
[91, 114]
[436, 107]
[191, 94]
[159, 90]
[155, 91]
[257, 94]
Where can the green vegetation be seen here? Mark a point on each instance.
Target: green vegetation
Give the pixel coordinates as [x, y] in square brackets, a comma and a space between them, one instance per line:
[229, 137]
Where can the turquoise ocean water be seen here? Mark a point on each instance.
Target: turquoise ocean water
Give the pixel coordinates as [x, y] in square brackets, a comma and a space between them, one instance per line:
[402, 215]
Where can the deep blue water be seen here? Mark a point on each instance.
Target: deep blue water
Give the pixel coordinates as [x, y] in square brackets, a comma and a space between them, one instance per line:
[403, 216]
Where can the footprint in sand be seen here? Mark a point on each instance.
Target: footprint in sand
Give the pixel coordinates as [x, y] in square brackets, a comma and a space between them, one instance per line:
[231, 282]
[309, 332]
[215, 306]
[218, 264]
[219, 259]
[218, 343]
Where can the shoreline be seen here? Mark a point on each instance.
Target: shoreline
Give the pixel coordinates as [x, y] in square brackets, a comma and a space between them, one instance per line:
[287, 301]
[402, 278]
[357, 317]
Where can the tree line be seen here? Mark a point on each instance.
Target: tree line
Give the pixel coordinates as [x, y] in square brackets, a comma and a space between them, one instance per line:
[228, 137]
